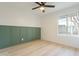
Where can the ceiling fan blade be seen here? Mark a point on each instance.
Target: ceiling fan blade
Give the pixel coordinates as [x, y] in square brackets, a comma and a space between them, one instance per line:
[49, 6]
[42, 3]
[35, 7]
[38, 3]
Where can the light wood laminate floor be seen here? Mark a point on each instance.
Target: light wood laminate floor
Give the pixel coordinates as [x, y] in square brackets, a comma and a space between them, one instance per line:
[39, 48]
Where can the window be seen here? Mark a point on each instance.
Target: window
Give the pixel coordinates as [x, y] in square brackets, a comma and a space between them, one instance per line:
[68, 25]
[62, 24]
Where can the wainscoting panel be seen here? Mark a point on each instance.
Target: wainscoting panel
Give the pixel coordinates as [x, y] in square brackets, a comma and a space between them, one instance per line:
[12, 35]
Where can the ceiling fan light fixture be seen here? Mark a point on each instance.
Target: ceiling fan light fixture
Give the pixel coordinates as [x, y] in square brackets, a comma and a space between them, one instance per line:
[42, 8]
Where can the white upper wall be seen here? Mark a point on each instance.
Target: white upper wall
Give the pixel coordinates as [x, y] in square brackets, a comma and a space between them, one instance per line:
[18, 14]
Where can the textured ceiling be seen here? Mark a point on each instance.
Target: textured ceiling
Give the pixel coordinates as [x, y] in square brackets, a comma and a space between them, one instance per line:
[27, 6]
[59, 6]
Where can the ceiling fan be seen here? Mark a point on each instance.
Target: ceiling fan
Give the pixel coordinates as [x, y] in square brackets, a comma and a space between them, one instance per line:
[42, 5]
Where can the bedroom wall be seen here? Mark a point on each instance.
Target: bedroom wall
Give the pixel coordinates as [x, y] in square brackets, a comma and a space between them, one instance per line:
[49, 28]
[18, 14]
[18, 24]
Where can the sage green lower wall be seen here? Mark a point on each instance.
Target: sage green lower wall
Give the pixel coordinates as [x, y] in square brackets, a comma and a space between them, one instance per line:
[12, 35]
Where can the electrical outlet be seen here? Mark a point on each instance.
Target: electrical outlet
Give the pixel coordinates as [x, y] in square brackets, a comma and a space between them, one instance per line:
[22, 39]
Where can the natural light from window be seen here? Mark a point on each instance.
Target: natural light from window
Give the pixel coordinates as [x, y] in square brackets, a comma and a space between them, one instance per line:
[68, 25]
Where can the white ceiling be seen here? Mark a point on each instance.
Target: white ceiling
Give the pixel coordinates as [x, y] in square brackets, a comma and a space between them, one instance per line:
[27, 6]
[59, 6]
